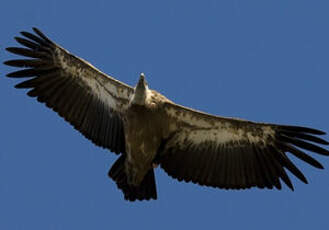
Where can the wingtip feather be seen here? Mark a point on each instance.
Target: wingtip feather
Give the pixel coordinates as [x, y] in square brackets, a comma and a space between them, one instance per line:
[42, 35]
[302, 129]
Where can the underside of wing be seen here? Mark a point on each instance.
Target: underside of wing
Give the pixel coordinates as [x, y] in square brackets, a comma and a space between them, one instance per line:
[235, 154]
[87, 98]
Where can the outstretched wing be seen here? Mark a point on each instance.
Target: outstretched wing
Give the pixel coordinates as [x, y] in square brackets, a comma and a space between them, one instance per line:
[87, 98]
[232, 153]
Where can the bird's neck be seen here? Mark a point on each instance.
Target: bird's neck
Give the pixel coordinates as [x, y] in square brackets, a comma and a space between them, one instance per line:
[140, 95]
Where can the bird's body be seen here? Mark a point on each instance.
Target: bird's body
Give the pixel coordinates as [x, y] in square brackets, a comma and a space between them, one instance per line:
[144, 131]
[146, 128]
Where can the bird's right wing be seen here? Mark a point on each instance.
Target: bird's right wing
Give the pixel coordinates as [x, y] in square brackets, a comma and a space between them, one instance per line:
[233, 153]
[84, 96]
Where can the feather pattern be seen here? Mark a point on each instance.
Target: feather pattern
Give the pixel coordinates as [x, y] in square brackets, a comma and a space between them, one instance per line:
[87, 98]
[235, 154]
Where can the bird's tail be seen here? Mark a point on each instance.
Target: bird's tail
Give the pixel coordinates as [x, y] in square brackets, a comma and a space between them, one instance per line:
[145, 191]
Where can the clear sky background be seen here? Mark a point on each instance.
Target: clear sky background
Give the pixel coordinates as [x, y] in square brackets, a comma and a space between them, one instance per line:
[259, 60]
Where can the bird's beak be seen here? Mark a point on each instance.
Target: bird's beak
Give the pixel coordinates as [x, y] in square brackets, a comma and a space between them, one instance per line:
[142, 81]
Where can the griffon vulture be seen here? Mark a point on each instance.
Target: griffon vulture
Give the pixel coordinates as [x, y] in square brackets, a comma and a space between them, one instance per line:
[146, 129]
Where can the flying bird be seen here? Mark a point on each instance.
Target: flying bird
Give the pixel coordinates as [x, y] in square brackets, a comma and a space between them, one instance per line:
[146, 129]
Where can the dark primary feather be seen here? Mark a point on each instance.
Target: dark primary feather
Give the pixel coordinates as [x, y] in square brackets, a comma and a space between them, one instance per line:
[303, 144]
[27, 52]
[35, 47]
[66, 94]
[300, 154]
[26, 63]
[300, 129]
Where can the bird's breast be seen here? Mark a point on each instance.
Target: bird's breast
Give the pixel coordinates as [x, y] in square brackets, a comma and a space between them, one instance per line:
[143, 134]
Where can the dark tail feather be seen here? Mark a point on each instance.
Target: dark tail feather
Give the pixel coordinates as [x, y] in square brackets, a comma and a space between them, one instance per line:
[145, 191]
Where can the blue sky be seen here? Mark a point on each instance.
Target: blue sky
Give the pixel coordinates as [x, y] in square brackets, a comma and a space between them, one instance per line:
[258, 60]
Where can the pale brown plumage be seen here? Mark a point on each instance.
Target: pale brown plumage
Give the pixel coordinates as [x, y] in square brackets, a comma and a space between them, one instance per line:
[146, 128]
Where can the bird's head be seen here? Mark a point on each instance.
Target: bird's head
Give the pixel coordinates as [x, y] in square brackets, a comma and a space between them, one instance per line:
[141, 90]
[142, 83]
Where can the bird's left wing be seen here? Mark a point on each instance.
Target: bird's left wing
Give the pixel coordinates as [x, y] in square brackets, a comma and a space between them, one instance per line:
[90, 100]
[234, 154]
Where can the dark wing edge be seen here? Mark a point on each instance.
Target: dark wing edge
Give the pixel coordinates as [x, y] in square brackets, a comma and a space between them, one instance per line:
[89, 100]
[246, 155]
